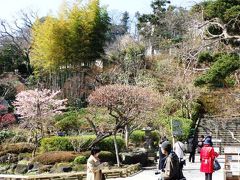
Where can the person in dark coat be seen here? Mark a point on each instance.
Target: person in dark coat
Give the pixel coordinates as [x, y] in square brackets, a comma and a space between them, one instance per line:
[162, 157]
[207, 156]
[191, 148]
[171, 170]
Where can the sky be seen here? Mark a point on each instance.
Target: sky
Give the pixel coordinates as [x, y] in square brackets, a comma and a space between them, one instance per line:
[9, 9]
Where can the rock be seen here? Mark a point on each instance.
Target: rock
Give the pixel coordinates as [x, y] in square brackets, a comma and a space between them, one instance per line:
[66, 169]
[20, 157]
[10, 171]
[34, 166]
[44, 168]
[3, 169]
[21, 169]
[30, 166]
[12, 158]
[139, 156]
[13, 166]
[32, 172]
[4, 159]
[62, 167]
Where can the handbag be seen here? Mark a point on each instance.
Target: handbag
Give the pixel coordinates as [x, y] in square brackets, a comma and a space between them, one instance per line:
[183, 162]
[216, 165]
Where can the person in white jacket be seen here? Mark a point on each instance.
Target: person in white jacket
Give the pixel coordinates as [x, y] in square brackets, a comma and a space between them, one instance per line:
[179, 149]
[94, 167]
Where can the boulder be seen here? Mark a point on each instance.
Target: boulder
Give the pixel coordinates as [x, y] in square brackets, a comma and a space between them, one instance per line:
[12, 158]
[4, 158]
[62, 167]
[13, 166]
[45, 168]
[3, 169]
[134, 157]
[21, 169]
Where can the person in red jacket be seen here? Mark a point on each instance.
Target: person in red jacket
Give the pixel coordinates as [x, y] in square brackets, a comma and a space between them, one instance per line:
[207, 156]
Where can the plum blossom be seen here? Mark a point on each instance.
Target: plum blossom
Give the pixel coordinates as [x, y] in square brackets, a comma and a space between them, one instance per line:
[38, 104]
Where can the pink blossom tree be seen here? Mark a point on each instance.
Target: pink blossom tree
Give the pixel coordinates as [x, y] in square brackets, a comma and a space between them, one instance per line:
[125, 104]
[36, 108]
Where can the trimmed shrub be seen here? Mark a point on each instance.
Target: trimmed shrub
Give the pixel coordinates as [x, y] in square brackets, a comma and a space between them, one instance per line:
[80, 160]
[8, 119]
[5, 135]
[70, 121]
[106, 156]
[54, 157]
[57, 143]
[137, 137]
[107, 144]
[16, 148]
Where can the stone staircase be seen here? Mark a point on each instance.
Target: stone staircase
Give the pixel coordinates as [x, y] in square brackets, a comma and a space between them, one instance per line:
[219, 129]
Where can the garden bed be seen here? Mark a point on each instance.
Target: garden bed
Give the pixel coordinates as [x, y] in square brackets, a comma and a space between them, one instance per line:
[109, 173]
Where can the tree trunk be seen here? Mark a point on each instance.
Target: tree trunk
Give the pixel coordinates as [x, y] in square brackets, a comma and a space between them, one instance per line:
[116, 148]
[98, 139]
[35, 136]
[126, 136]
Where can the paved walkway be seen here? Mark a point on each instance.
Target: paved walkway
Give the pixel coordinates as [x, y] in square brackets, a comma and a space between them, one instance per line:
[191, 172]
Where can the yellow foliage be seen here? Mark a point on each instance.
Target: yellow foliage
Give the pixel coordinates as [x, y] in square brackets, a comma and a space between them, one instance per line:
[67, 39]
[221, 102]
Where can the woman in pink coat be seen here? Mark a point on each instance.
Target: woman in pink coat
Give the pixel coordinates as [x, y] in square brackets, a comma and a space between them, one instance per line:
[207, 156]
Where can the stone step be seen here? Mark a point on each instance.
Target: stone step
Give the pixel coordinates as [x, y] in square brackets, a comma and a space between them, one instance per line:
[233, 125]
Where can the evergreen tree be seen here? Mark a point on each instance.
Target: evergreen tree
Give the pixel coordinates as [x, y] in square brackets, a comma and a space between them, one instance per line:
[125, 22]
[165, 26]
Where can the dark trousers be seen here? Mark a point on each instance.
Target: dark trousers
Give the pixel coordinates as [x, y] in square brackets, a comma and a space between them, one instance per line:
[192, 157]
[208, 176]
[181, 165]
[162, 159]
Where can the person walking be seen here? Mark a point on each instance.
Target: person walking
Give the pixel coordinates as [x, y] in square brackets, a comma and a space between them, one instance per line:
[94, 167]
[162, 157]
[171, 170]
[191, 149]
[178, 148]
[207, 156]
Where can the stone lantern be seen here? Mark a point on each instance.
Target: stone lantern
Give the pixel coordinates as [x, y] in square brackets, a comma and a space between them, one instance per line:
[148, 137]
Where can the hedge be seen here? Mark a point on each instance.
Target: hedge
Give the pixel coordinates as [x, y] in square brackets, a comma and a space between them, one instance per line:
[107, 144]
[58, 143]
[5, 135]
[104, 156]
[55, 157]
[138, 137]
[16, 148]
[80, 160]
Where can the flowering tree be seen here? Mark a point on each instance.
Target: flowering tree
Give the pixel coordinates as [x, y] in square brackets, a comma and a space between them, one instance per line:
[37, 107]
[7, 119]
[125, 104]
